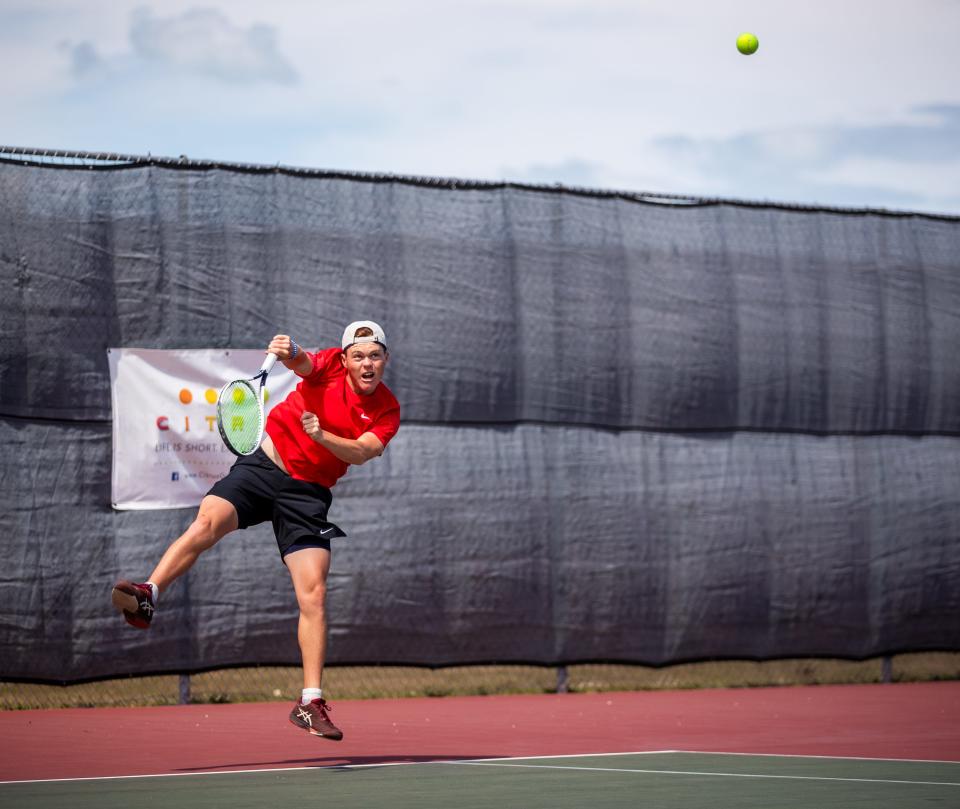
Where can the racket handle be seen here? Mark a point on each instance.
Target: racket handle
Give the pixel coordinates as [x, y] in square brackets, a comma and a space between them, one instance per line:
[268, 363]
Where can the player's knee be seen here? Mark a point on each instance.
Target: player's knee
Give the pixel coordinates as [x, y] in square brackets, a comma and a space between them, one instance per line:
[206, 530]
[313, 598]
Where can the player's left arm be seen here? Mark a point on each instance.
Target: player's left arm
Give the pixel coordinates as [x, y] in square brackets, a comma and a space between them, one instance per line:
[354, 451]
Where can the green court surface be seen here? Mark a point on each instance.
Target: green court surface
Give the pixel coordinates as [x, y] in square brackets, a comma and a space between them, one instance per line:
[661, 779]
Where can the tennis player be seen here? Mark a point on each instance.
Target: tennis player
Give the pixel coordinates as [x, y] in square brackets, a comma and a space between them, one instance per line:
[340, 415]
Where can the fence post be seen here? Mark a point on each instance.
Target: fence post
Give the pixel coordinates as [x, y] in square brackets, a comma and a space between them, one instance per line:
[886, 669]
[184, 689]
[563, 680]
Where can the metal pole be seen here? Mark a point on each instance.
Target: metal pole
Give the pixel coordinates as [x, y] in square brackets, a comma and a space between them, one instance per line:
[886, 669]
[184, 689]
[563, 680]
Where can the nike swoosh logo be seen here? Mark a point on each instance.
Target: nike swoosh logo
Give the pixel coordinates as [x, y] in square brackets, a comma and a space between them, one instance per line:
[324, 533]
[365, 416]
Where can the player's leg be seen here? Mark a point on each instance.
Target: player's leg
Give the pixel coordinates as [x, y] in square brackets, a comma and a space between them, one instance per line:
[308, 568]
[215, 519]
[137, 600]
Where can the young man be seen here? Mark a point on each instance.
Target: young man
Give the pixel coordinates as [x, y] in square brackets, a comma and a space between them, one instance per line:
[340, 414]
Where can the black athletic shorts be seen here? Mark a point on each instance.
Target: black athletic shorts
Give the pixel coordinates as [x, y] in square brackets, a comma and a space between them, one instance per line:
[260, 490]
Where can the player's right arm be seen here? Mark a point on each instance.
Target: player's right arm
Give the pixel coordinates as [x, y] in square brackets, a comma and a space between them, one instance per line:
[295, 359]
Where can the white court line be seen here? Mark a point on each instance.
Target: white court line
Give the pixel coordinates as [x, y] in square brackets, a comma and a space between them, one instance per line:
[809, 755]
[564, 755]
[715, 774]
[320, 767]
[479, 761]
[711, 753]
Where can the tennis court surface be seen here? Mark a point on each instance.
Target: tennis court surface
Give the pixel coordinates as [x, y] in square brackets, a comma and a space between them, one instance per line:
[822, 746]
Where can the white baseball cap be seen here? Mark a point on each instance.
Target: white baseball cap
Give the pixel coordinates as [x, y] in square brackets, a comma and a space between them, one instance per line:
[349, 334]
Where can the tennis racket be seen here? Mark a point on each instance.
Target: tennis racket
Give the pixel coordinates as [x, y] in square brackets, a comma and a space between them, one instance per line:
[240, 411]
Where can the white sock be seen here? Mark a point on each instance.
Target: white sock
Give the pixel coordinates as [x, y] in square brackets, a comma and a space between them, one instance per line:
[310, 694]
[155, 590]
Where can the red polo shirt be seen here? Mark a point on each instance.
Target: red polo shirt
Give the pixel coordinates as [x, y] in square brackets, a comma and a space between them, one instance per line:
[326, 392]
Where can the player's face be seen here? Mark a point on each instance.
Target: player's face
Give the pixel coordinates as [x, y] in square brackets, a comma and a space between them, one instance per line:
[364, 363]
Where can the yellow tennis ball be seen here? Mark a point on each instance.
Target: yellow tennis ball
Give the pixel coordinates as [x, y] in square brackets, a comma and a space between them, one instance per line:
[747, 44]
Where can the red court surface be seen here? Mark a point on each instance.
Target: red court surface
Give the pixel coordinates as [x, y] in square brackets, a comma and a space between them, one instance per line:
[903, 721]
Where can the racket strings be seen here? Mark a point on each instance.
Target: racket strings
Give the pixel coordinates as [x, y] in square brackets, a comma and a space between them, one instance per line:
[241, 416]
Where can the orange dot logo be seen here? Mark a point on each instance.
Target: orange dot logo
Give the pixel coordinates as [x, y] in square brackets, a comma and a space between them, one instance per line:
[185, 396]
[211, 396]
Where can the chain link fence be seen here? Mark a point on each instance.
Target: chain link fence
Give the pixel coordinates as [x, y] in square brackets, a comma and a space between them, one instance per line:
[265, 683]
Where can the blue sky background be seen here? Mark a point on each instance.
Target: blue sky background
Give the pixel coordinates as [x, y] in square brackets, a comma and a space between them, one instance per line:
[849, 102]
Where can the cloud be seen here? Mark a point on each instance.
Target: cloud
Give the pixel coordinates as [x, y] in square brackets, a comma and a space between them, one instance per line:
[84, 59]
[892, 165]
[570, 172]
[934, 179]
[204, 42]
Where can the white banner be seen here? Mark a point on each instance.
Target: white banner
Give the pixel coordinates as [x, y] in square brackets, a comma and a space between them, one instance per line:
[167, 451]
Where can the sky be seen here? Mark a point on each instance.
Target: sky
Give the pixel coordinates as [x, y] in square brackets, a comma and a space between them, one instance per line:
[846, 102]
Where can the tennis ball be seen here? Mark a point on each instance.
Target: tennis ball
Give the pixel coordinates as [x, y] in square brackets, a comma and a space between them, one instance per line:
[747, 44]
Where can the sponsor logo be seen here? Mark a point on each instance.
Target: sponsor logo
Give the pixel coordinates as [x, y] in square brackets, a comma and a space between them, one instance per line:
[190, 426]
[197, 413]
